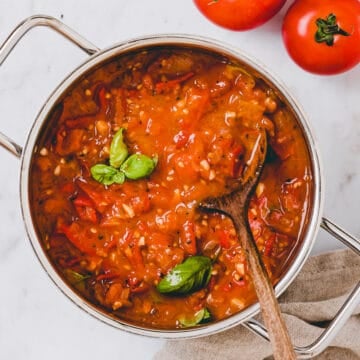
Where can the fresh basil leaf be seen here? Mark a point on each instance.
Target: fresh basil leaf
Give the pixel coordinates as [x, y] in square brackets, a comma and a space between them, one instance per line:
[133, 167]
[137, 166]
[119, 177]
[118, 149]
[207, 316]
[191, 275]
[107, 175]
[200, 317]
[75, 277]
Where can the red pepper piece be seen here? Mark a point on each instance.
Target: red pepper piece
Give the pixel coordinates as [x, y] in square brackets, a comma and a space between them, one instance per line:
[99, 197]
[237, 155]
[136, 259]
[269, 245]
[76, 236]
[101, 99]
[224, 238]
[85, 209]
[83, 201]
[187, 238]
[87, 213]
[196, 102]
[81, 238]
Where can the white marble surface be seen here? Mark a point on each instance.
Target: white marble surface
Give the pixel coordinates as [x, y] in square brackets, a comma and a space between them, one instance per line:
[36, 320]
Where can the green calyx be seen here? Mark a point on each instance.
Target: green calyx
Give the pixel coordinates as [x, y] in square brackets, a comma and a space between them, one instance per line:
[327, 29]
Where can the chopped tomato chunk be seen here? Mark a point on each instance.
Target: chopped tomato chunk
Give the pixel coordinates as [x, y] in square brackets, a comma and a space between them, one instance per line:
[187, 238]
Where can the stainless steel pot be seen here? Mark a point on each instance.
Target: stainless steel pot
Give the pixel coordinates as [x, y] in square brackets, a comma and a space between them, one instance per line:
[97, 57]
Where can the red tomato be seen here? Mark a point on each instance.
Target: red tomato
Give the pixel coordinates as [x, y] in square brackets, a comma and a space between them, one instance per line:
[323, 36]
[239, 14]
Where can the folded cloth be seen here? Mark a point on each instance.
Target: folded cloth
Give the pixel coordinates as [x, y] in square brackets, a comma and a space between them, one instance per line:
[310, 302]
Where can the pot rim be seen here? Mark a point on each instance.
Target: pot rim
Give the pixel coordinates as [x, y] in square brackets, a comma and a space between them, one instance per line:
[160, 40]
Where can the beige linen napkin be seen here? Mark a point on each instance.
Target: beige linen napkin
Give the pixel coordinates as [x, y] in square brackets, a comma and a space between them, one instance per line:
[309, 303]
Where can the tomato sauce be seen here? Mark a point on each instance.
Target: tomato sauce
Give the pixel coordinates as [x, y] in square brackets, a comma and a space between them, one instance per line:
[194, 111]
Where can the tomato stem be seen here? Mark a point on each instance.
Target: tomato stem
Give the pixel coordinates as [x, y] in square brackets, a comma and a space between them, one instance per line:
[327, 28]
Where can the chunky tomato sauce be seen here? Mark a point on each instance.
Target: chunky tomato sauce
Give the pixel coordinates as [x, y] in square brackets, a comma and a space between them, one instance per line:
[193, 111]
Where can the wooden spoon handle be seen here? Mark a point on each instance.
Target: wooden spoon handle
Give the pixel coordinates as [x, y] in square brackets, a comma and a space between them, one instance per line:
[270, 309]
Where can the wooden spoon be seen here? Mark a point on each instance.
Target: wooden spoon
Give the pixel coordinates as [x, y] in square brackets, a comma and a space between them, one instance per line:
[235, 205]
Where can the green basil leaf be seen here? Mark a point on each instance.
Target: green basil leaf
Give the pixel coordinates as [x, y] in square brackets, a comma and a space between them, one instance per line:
[107, 175]
[118, 149]
[119, 177]
[207, 316]
[200, 317]
[75, 277]
[137, 166]
[193, 274]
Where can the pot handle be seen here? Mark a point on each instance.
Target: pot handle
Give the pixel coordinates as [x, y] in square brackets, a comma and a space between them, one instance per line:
[15, 37]
[324, 340]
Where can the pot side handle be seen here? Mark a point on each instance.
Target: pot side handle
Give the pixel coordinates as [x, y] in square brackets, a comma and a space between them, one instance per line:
[343, 314]
[15, 37]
